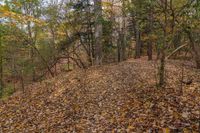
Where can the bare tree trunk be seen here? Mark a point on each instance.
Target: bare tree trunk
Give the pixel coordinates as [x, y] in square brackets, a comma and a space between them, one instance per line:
[90, 36]
[136, 29]
[119, 48]
[1, 68]
[123, 32]
[68, 59]
[54, 47]
[31, 51]
[162, 52]
[118, 53]
[157, 53]
[32, 61]
[150, 50]
[123, 46]
[32, 44]
[138, 40]
[150, 26]
[195, 49]
[162, 68]
[98, 32]
[44, 61]
[22, 83]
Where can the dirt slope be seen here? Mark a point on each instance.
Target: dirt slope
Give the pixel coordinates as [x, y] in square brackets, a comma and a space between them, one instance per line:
[118, 97]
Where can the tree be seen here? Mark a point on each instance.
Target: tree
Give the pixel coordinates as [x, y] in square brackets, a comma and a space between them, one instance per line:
[98, 32]
[164, 44]
[150, 30]
[93, 32]
[192, 32]
[1, 63]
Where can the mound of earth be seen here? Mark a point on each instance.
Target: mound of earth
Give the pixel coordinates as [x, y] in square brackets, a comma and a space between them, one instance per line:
[113, 98]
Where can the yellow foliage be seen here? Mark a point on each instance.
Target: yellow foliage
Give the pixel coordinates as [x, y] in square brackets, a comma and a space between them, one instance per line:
[151, 37]
[60, 33]
[185, 130]
[145, 38]
[168, 29]
[106, 4]
[166, 130]
[154, 37]
[20, 18]
[17, 4]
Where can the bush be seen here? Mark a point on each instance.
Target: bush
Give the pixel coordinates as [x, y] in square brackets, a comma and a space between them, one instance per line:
[8, 91]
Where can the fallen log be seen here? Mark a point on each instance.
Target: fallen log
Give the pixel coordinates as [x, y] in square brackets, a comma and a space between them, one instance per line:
[176, 50]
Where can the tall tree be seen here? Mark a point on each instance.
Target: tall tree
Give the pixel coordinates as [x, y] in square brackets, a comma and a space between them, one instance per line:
[150, 28]
[1, 63]
[193, 33]
[164, 44]
[135, 14]
[98, 32]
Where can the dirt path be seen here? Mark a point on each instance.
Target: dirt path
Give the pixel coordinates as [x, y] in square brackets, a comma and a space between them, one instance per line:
[113, 98]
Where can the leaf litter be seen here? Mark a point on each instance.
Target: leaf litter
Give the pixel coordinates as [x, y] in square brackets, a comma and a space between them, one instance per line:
[113, 98]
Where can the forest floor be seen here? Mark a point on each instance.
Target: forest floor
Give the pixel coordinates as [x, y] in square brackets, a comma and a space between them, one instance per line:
[113, 98]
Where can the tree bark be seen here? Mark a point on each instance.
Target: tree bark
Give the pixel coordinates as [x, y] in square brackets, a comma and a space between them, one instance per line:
[119, 48]
[176, 50]
[162, 51]
[138, 40]
[149, 43]
[195, 49]
[162, 69]
[31, 51]
[123, 31]
[98, 32]
[1, 67]
[150, 50]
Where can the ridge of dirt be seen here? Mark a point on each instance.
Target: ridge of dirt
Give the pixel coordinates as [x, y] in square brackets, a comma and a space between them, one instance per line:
[112, 98]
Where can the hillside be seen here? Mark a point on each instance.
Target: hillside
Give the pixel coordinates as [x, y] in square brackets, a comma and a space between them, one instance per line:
[112, 98]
